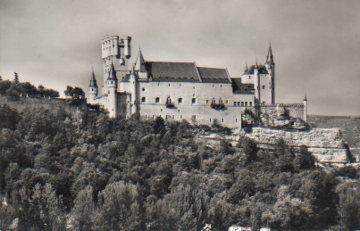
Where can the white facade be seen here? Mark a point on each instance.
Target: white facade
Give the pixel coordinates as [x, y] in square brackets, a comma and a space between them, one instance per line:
[177, 90]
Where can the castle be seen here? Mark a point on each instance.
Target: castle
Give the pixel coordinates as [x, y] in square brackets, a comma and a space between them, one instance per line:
[182, 90]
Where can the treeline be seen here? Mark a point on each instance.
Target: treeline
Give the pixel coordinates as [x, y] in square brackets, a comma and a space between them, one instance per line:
[97, 173]
[16, 89]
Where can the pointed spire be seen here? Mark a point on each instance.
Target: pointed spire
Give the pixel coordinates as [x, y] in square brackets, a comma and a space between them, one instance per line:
[112, 73]
[93, 79]
[270, 57]
[140, 62]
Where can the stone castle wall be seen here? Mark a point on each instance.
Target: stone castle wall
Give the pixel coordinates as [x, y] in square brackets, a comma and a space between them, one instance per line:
[295, 110]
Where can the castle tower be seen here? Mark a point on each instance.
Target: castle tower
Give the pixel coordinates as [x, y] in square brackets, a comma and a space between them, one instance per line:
[270, 66]
[111, 83]
[134, 91]
[116, 51]
[257, 84]
[93, 88]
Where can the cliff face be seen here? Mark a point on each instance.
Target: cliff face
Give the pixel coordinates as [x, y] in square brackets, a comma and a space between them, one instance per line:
[326, 144]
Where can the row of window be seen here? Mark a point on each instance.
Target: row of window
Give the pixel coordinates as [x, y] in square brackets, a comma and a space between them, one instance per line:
[193, 101]
[143, 89]
[193, 118]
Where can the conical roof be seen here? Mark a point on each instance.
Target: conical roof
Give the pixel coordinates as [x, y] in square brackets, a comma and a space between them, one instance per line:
[140, 63]
[93, 80]
[112, 73]
[270, 57]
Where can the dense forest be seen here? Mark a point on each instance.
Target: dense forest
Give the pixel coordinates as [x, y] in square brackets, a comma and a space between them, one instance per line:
[90, 172]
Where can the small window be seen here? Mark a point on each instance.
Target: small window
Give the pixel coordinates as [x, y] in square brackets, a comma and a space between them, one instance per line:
[249, 77]
[193, 100]
[143, 99]
[157, 100]
[226, 101]
[250, 104]
[194, 87]
[222, 119]
[179, 100]
[213, 85]
[143, 89]
[220, 85]
[169, 84]
[263, 86]
[242, 104]
[210, 119]
[180, 116]
[234, 103]
[246, 104]
[207, 101]
[236, 120]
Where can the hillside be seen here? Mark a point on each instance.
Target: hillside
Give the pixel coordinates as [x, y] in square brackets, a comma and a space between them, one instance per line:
[95, 173]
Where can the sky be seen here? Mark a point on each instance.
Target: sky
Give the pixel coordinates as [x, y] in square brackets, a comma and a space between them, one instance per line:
[316, 43]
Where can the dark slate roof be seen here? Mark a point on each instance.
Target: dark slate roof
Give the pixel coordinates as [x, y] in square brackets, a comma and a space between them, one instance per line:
[261, 68]
[173, 71]
[214, 75]
[242, 88]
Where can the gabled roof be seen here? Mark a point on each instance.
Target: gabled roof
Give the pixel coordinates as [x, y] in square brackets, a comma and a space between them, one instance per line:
[172, 71]
[214, 75]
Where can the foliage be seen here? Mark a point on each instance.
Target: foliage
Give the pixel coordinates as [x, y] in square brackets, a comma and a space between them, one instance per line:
[96, 173]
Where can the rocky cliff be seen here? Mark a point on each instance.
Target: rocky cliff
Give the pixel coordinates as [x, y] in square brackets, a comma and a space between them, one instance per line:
[326, 144]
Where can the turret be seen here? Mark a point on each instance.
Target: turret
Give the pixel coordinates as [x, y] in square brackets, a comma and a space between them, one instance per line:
[111, 82]
[257, 83]
[305, 108]
[270, 66]
[93, 88]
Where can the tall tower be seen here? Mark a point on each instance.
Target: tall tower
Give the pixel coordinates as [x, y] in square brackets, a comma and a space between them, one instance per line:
[116, 51]
[93, 89]
[270, 66]
[305, 109]
[111, 83]
[257, 84]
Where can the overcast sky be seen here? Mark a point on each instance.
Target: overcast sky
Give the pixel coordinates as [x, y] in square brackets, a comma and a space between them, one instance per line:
[316, 43]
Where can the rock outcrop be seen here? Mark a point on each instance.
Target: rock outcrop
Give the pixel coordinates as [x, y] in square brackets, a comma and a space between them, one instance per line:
[326, 144]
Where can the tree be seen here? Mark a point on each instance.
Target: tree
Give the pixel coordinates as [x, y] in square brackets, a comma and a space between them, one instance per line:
[83, 209]
[159, 125]
[304, 159]
[349, 205]
[249, 147]
[16, 78]
[119, 208]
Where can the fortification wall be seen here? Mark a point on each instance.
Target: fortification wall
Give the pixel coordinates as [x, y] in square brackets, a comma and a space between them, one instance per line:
[295, 110]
